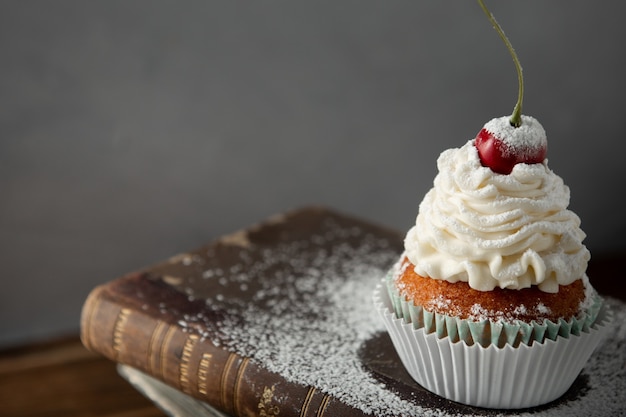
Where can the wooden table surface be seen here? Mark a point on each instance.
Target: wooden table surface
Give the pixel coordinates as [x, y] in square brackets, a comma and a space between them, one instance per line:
[62, 378]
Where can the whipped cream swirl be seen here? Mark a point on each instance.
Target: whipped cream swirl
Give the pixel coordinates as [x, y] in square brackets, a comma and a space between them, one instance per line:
[492, 230]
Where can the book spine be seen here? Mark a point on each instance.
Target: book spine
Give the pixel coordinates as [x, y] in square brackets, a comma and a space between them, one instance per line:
[232, 383]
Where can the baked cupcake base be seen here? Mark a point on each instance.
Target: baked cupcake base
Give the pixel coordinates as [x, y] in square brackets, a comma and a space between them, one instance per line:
[492, 377]
[488, 329]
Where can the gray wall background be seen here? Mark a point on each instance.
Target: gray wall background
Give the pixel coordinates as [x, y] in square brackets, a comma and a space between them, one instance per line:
[131, 131]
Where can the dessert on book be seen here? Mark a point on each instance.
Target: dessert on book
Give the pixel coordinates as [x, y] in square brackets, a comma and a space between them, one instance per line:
[275, 318]
[499, 311]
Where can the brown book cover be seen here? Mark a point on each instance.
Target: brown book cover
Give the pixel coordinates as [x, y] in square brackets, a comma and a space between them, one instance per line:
[274, 320]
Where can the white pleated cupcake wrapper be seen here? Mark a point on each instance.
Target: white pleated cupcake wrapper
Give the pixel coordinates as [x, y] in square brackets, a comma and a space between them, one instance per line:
[489, 332]
[491, 377]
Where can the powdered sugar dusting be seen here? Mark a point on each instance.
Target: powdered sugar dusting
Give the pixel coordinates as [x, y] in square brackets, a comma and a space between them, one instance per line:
[543, 309]
[522, 140]
[491, 230]
[478, 313]
[317, 342]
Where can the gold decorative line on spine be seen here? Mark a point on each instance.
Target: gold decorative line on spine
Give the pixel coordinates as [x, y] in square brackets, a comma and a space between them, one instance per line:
[240, 372]
[183, 375]
[229, 362]
[322, 408]
[307, 402]
[118, 329]
[203, 370]
[163, 351]
[152, 358]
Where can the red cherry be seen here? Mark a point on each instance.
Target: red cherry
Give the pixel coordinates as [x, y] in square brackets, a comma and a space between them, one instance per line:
[509, 146]
[492, 155]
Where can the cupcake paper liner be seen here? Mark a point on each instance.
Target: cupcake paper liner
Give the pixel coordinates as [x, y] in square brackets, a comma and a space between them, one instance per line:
[488, 332]
[505, 377]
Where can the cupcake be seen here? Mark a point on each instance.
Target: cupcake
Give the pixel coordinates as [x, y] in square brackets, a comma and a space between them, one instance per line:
[490, 304]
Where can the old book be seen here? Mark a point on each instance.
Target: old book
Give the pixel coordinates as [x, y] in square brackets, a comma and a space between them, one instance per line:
[273, 320]
[205, 321]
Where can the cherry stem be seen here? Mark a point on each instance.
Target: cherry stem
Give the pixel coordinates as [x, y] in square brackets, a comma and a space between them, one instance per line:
[516, 117]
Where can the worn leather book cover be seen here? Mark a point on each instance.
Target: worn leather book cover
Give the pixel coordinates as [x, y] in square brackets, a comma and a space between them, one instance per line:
[273, 320]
